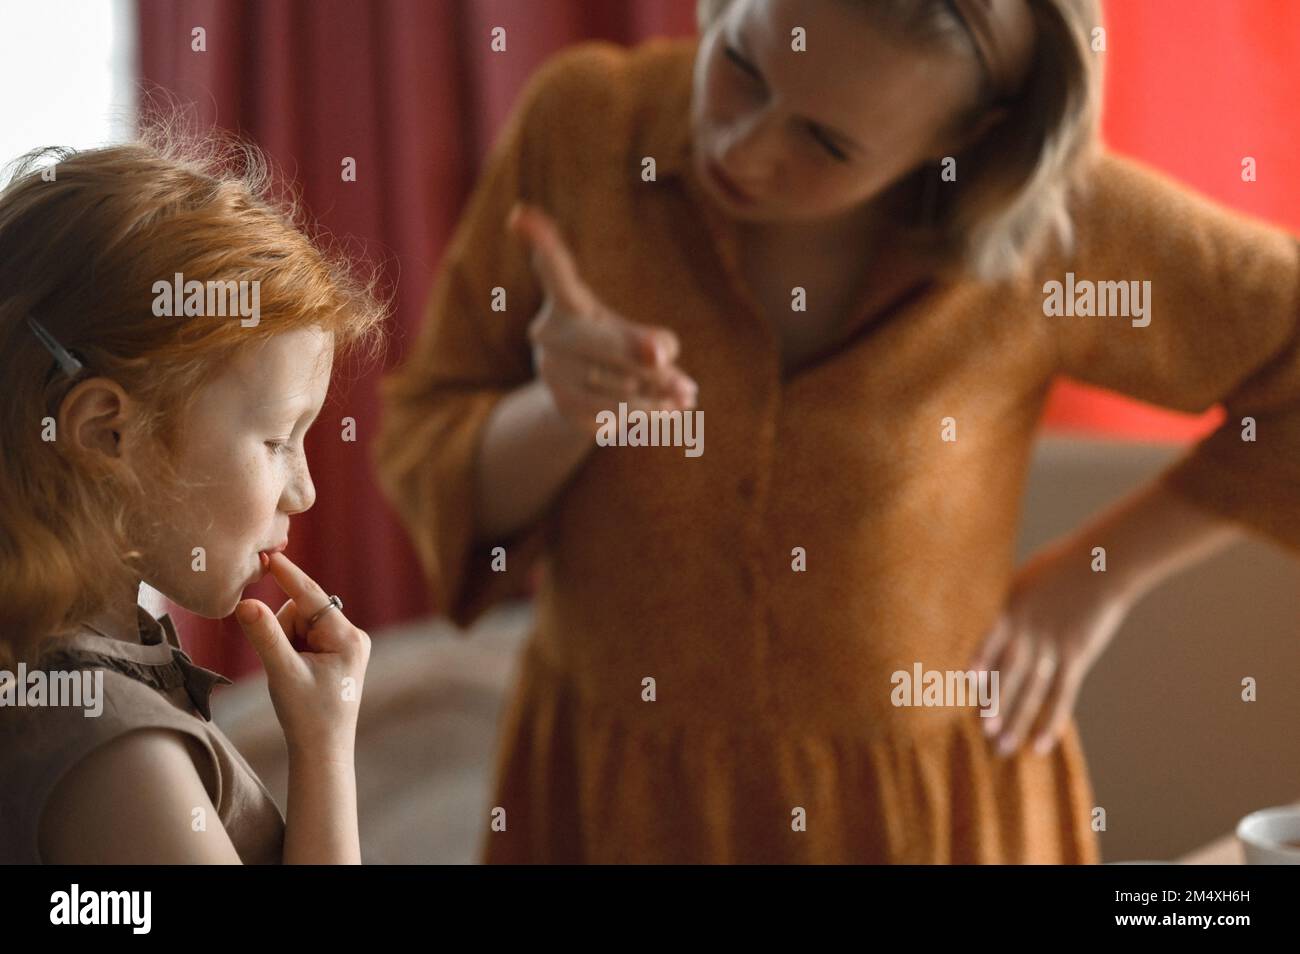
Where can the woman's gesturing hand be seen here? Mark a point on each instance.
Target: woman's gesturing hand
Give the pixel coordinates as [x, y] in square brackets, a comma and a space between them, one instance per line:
[315, 693]
[1059, 617]
[589, 357]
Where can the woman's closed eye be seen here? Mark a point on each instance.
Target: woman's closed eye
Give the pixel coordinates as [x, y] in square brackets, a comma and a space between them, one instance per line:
[742, 64]
[813, 130]
[278, 446]
[838, 154]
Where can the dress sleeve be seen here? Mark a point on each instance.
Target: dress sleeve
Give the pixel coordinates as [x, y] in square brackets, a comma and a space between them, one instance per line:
[40, 748]
[465, 358]
[1224, 328]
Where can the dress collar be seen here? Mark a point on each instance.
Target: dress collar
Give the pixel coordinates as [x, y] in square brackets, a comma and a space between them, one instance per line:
[157, 660]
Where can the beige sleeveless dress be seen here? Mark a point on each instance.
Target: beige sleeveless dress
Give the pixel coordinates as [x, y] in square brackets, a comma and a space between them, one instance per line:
[151, 685]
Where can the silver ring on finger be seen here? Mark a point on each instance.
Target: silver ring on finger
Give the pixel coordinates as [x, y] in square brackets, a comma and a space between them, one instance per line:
[334, 603]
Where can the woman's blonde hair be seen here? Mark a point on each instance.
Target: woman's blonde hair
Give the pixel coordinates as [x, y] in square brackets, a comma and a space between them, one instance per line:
[83, 238]
[1015, 185]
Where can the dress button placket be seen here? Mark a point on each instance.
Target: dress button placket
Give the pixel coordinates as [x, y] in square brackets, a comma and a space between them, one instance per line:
[754, 486]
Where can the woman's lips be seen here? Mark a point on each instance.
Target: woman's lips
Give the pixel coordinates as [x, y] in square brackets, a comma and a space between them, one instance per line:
[736, 194]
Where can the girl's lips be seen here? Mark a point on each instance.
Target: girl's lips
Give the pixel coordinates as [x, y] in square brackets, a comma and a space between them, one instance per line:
[262, 566]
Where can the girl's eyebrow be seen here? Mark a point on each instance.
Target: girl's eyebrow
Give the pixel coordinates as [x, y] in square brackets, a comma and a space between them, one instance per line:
[299, 404]
[748, 63]
[280, 405]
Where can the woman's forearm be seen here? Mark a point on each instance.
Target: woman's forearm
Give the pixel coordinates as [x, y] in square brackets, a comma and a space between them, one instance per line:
[320, 826]
[528, 453]
[1152, 535]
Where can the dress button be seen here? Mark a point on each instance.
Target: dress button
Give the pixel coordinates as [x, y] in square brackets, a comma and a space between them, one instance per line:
[747, 581]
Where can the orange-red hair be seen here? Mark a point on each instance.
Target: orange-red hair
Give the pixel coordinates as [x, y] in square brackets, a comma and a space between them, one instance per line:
[80, 251]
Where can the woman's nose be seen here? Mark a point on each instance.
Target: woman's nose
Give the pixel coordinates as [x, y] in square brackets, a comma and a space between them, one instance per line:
[749, 149]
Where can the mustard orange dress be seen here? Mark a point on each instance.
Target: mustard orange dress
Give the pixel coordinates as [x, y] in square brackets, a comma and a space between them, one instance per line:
[771, 736]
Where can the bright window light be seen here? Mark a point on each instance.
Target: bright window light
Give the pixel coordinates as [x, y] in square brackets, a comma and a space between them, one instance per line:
[67, 71]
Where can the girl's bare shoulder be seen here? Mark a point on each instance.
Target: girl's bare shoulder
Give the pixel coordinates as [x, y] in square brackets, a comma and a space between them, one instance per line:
[137, 799]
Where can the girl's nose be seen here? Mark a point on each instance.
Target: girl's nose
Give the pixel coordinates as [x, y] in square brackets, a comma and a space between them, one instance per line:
[299, 493]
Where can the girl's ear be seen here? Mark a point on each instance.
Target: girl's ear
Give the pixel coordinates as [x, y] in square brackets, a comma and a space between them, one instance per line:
[93, 418]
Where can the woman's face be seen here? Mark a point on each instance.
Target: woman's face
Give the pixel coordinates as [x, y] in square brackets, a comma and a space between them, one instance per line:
[241, 459]
[815, 135]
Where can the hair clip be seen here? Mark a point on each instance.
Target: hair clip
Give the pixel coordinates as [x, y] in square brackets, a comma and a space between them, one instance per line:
[70, 365]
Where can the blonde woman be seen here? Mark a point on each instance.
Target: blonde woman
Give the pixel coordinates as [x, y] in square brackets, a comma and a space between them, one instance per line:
[828, 229]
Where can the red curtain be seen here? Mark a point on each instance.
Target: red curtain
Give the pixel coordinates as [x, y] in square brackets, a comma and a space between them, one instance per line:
[410, 89]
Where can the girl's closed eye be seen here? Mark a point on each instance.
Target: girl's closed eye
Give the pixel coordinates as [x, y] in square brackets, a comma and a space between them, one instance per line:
[282, 445]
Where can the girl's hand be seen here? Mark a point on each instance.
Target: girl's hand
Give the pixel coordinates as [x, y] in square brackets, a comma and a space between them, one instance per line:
[315, 693]
[1059, 617]
[589, 357]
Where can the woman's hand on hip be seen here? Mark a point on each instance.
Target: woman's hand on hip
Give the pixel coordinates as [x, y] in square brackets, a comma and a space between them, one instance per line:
[1059, 617]
[589, 357]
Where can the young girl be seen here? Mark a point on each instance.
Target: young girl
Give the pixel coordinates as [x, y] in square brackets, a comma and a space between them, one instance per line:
[148, 442]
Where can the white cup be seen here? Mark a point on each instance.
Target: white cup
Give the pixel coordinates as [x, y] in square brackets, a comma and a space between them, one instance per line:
[1264, 832]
